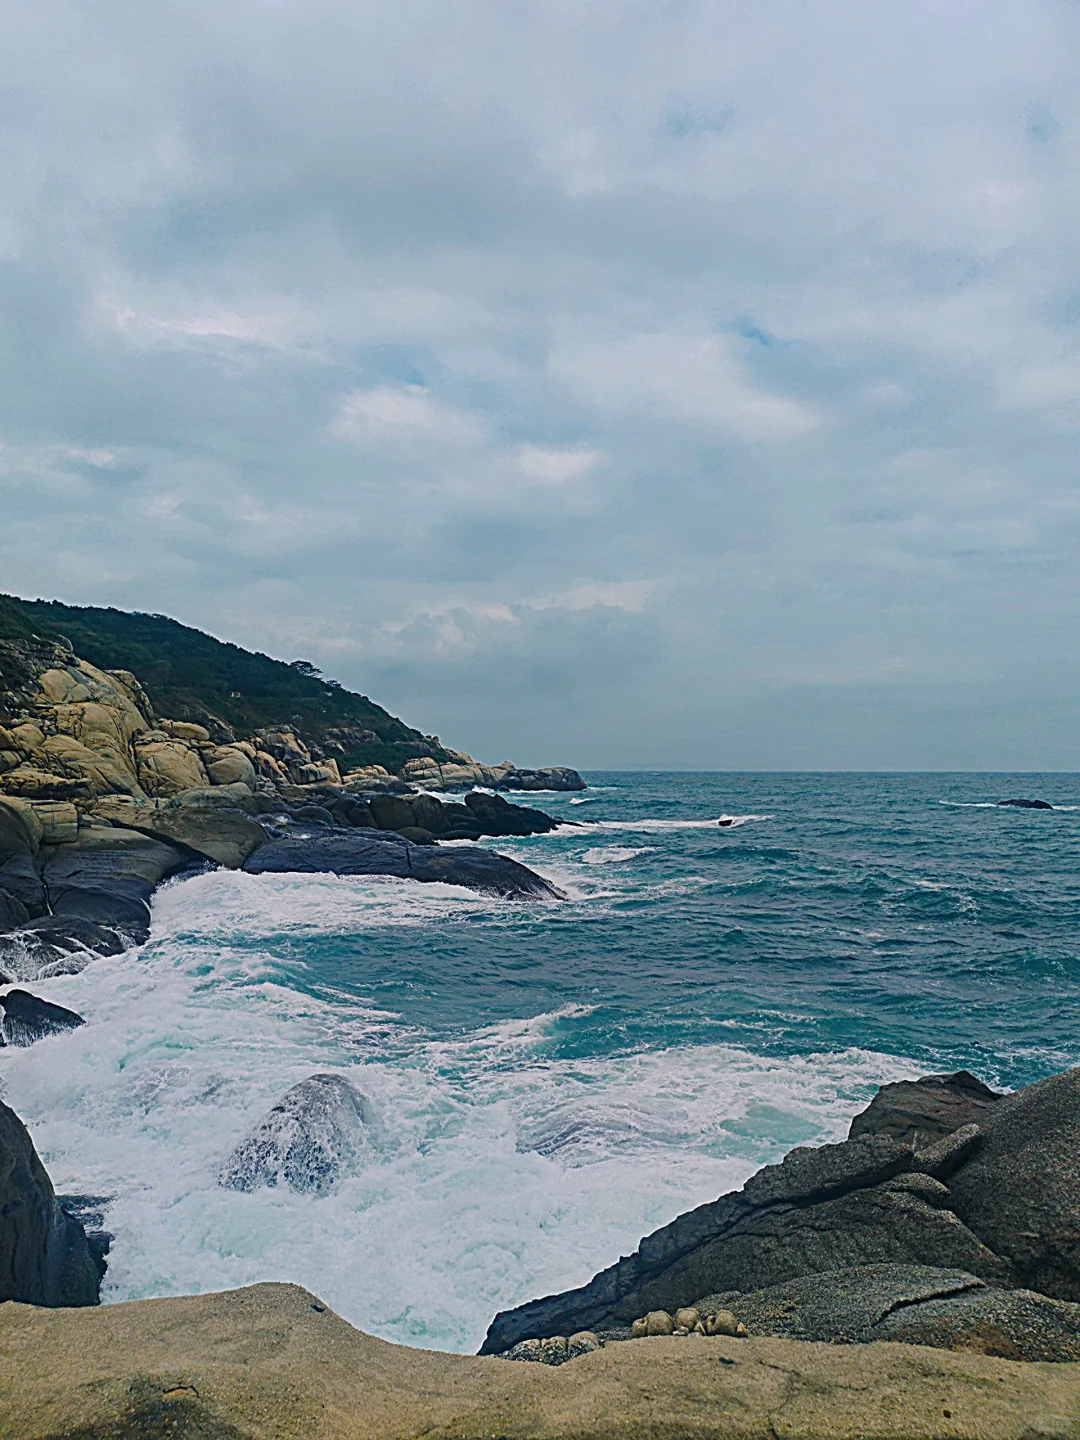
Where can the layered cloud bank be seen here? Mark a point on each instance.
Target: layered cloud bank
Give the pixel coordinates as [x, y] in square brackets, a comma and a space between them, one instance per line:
[664, 384]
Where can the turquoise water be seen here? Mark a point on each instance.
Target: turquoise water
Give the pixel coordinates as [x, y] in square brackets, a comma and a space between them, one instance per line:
[547, 1082]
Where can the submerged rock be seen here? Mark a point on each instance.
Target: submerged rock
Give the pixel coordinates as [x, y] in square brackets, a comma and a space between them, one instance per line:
[1027, 804]
[25, 1018]
[44, 1255]
[303, 1141]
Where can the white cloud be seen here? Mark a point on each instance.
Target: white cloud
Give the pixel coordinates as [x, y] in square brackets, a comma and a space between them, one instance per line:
[404, 414]
[697, 378]
[549, 465]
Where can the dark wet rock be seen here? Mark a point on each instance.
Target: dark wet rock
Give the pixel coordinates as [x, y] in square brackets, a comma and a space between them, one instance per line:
[920, 1111]
[948, 1153]
[57, 945]
[44, 1255]
[18, 835]
[828, 1169]
[392, 812]
[838, 1206]
[912, 1304]
[25, 1018]
[312, 814]
[1027, 804]
[417, 835]
[549, 777]
[89, 1211]
[498, 817]
[20, 877]
[342, 852]
[1013, 1324]
[108, 877]
[348, 810]
[1020, 1191]
[840, 1304]
[303, 1142]
[13, 913]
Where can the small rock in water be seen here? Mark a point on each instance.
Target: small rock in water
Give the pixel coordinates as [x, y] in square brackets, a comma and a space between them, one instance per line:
[26, 1018]
[303, 1141]
[659, 1322]
[1027, 804]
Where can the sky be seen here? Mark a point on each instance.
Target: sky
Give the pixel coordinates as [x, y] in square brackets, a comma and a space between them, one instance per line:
[651, 384]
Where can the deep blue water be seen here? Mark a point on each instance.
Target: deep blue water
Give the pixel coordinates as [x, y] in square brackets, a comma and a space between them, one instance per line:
[549, 1081]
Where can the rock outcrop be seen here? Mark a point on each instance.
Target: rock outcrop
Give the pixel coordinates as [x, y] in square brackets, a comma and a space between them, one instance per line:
[364, 853]
[996, 1200]
[463, 772]
[273, 1362]
[303, 1141]
[44, 1255]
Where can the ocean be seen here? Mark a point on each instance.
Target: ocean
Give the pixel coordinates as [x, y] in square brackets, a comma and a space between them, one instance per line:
[547, 1082]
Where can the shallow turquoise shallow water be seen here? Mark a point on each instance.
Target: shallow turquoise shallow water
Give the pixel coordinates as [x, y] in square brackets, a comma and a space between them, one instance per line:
[548, 1082]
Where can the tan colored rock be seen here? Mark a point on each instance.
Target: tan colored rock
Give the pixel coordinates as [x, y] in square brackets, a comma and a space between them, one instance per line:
[686, 1318]
[59, 821]
[103, 774]
[9, 759]
[639, 1329]
[223, 834]
[27, 737]
[659, 1322]
[227, 765]
[316, 772]
[274, 1363]
[723, 1323]
[269, 768]
[169, 766]
[32, 782]
[7, 741]
[184, 730]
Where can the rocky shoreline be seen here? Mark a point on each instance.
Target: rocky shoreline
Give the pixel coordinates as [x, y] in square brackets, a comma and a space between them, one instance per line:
[916, 1346]
[101, 801]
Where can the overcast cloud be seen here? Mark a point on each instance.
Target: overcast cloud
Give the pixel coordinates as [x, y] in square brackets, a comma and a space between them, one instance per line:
[650, 384]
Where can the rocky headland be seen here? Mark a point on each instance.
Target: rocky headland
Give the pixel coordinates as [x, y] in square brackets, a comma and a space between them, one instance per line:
[102, 797]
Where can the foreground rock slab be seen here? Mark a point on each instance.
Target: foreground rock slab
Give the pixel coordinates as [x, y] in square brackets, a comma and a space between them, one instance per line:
[273, 1362]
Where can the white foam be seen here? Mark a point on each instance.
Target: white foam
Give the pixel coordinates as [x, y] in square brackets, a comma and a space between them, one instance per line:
[732, 822]
[495, 1171]
[614, 854]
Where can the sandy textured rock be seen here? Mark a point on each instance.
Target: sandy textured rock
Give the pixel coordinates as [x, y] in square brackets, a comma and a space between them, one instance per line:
[168, 766]
[273, 1363]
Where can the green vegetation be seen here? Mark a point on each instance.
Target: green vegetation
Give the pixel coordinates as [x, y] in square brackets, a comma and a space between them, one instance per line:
[191, 676]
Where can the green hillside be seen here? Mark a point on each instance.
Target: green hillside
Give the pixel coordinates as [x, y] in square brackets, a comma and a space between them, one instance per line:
[191, 676]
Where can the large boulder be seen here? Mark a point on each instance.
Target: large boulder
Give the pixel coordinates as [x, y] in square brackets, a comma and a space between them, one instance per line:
[838, 1206]
[228, 765]
[365, 852]
[210, 822]
[44, 1255]
[109, 876]
[20, 829]
[304, 1141]
[922, 1110]
[168, 766]
[21, 878]
[1020, 1191]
